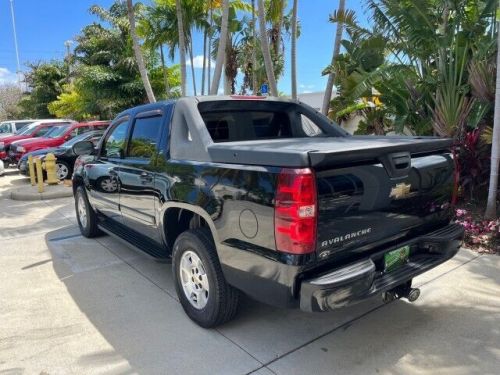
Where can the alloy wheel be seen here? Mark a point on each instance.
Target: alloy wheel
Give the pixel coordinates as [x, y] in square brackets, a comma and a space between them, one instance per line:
[194, 279]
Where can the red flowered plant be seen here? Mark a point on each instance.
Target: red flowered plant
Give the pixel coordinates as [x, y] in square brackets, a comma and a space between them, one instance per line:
[481, 235]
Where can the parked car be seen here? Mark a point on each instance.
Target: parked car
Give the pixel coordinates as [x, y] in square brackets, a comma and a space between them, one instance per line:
[34, 130]
[55, 137]
[11, 127]
[268, 197]
[64, 154]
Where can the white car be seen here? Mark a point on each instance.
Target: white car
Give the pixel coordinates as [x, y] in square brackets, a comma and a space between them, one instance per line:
[2, 169]
[10, 127]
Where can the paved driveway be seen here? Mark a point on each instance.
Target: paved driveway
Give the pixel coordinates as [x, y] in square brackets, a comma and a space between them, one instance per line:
[73, 305]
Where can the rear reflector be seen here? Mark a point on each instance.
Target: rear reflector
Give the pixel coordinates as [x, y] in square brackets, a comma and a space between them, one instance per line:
[295, 211]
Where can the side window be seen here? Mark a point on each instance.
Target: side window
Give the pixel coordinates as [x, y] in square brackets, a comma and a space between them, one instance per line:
[5, 128]
[114, 144]
[144, 137]
[309, 127]
[73, 133]
[82, 129]
[41, 132]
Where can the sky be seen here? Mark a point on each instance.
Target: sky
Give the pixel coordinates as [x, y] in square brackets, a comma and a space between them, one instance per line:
[44, 26]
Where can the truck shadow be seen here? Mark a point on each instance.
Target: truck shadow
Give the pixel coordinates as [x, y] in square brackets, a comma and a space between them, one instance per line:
[131, 302]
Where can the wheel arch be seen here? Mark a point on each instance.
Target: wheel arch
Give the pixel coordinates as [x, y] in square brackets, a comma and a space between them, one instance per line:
[178, 217]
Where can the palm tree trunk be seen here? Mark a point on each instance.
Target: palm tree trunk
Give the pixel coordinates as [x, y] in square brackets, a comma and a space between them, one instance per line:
[336, 51]
[264, 43]
[182, 46]
[209, 70]
[192, 66]
[279, 25]
[138, 54]
[221, 49]
[491, 206]
[204, 62]
[254, 52]
[293, 56]
[228, 80]
[164, 70]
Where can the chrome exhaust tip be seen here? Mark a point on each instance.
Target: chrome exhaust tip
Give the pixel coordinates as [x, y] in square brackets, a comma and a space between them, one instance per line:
[413, 294]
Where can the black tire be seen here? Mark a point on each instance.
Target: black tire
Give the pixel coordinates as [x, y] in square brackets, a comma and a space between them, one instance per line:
[222, 303]
[65, 165]
[89, 228]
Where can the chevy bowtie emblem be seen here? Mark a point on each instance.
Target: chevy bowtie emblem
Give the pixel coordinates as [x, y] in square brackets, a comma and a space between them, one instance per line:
[400, 191]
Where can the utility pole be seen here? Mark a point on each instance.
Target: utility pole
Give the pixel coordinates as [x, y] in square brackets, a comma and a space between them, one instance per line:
[18, 72]
[68, 44]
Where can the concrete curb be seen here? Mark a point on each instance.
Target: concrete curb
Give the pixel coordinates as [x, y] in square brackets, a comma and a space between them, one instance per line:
[31, 193]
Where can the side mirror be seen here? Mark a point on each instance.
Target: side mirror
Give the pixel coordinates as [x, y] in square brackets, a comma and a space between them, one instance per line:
[83, 148]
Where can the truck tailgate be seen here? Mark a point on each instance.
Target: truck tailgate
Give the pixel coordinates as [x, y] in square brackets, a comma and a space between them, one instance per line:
[361, 206]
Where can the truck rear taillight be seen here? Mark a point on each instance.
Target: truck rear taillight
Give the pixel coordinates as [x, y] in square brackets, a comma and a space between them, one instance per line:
[295, 211]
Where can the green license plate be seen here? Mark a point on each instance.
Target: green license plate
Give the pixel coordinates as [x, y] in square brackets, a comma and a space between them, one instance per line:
[395, 258]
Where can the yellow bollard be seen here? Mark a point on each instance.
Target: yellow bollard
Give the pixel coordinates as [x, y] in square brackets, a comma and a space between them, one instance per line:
[50, 167]
[39, 175]
[32, 170]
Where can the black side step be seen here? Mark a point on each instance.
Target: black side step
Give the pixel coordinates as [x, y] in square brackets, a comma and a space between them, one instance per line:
[135, 240]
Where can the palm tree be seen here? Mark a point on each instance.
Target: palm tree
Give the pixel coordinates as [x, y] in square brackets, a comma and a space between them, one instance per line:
[221, 49]
[182, 46]
[336, 51]
[266, 51]
[254, 52]
[205, 41]
[293, 53]
[138, 54]
[491, 207]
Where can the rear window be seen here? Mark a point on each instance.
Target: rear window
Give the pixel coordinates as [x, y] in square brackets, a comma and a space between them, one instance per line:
[260, 121]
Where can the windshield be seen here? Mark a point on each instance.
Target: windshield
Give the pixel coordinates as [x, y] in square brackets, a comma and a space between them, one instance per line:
[81, 137]
[57, 131]
[26, 131]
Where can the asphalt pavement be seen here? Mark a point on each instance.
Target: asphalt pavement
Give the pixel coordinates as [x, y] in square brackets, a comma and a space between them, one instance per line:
[71, 305]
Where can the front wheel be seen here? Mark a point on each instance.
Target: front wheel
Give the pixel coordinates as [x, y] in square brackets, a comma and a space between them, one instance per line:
[200, 284]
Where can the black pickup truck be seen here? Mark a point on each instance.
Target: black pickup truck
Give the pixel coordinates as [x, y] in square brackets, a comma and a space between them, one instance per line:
[267, 197]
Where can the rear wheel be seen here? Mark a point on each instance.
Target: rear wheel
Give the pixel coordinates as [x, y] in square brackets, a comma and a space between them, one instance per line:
[204, 294]
[62, 170]
[87, 219]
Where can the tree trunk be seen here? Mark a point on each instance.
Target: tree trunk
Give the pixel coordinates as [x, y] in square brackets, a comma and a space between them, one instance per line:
[209, 70]
[278, 26]
[336, 51]
[254, 54]
[491, 207]
[293, 56]
[138, 54]
[221, 49]
[192, 66]
[228, 65]
[182, 46]
[264, 43]
[164, 70]
[204, 62]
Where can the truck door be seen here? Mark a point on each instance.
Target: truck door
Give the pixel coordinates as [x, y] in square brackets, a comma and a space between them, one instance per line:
[103, 175]
[137, 175]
